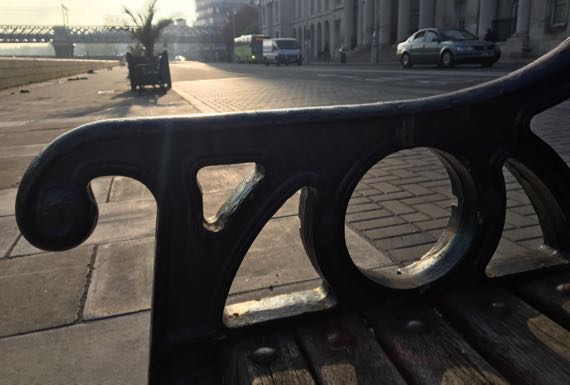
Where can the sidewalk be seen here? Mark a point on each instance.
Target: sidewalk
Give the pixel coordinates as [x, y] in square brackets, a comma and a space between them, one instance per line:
[55, 305]
[51, 302]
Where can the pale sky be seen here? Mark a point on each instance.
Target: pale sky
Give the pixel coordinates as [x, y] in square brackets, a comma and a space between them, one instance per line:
[86, 12]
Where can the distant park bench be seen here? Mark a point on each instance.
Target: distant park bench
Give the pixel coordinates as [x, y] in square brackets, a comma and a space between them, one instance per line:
[152, 71]
[440, 320]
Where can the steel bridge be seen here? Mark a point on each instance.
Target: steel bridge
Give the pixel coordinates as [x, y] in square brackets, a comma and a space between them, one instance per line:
[101, 34]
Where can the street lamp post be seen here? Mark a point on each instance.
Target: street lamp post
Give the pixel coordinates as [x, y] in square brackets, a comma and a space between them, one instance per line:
[374, 59]
[234, 23]
[232, 14]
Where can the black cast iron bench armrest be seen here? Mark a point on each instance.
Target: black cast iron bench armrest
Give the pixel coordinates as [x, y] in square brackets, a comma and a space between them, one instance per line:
[323, 151]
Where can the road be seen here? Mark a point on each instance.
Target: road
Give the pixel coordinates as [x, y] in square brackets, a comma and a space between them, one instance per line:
[392, 74]
[236, 87]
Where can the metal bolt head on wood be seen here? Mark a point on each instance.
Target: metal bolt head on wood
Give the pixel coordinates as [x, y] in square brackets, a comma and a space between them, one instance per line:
[264, 355]
[416, 326]
[563, 288]
[500, 308]
[339, 341]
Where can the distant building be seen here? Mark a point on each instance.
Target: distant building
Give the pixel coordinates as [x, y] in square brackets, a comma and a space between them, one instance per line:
[522, 27]
[194, 43]
[216, 12]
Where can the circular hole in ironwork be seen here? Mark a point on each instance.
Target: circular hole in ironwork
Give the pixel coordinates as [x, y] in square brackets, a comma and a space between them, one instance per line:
[404, 217]
[521, 247]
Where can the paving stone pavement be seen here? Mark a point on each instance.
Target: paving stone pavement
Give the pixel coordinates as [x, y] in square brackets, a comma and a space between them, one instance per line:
[42, 291]
[105, 352]
[402, 205]
[248, 94]
[113, 274]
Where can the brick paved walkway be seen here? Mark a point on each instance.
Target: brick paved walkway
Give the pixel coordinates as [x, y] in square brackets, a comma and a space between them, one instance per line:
[247, 94]
[402, 205]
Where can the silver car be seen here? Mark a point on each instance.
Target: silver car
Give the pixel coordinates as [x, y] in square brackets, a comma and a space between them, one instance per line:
[446, 47]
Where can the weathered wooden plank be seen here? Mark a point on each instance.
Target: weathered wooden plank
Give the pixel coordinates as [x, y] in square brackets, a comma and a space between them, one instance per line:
[342, 351]
[501, 265]
[426, 349]
[523, 344]
[250, 361]
[551, 295]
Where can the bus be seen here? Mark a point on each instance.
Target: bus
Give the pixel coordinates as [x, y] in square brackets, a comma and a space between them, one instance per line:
[249, 48]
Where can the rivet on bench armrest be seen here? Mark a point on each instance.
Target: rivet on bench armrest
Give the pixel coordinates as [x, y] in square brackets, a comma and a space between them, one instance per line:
[563, 288]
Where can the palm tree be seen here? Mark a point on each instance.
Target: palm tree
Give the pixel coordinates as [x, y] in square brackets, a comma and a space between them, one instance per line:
[145, 32]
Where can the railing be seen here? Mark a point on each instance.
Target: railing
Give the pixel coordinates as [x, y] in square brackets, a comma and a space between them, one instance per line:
[324, 152]
[102, 34]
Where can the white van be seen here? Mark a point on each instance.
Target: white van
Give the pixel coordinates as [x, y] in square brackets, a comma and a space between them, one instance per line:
[281, 50]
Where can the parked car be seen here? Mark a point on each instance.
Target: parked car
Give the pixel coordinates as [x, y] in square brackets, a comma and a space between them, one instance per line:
[281, 51]
[179, 58]
[446, 47]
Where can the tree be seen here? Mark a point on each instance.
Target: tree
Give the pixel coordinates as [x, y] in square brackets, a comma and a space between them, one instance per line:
[145, 32]
[245, 22]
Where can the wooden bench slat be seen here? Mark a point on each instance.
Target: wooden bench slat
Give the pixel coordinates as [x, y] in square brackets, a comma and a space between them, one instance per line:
[521, 263]
[426, 349]
[341, 350]
[550, 295]
[289, 367]
[526, 346]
